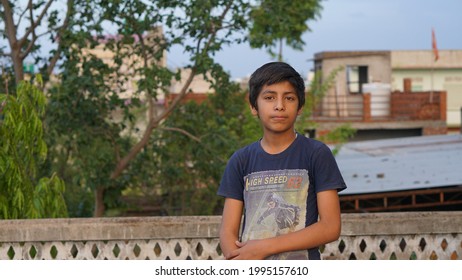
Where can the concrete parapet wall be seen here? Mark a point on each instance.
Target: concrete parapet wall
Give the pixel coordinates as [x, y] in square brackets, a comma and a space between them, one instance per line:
[404, 235]
[83, 229]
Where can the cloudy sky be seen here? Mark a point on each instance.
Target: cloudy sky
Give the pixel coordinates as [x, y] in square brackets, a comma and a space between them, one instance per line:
[358, 25]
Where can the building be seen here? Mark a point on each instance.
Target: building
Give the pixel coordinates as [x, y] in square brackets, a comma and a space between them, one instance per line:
[126, 83]
[108, 48]
[198, 90]
[391, 93]
[426, 74]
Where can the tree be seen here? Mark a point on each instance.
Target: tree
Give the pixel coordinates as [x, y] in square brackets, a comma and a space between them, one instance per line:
[276, 21]
[86, 136]
[189, 152]
[98, 155]
[24, 38]
[22, 150]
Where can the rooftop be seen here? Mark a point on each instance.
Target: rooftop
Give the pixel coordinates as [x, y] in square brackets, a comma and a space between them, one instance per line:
[401, 164]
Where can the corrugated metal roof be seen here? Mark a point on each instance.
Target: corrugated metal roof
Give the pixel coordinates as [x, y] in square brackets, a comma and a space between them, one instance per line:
[401, 164]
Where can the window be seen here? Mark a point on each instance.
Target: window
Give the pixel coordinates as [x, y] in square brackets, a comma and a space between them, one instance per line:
[356, 77]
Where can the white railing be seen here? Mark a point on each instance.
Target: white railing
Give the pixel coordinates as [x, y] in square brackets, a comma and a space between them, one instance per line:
[405, 235]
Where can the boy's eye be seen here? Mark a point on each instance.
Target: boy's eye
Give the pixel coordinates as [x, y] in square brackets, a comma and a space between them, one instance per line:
[291, 98]
[268, 97]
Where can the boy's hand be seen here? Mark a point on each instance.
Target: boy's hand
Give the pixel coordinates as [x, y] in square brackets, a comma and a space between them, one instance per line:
[250, 250]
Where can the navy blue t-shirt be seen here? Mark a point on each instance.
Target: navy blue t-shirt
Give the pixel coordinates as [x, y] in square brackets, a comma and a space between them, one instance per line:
[279, 191]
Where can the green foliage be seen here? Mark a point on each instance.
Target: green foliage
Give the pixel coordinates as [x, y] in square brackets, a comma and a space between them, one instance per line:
[274, 21]
[338, 135]
[22, 150]
[94, 123]
[91, 127]
[320, 85]
[189, 152]
[7, 79]
[316, 92]
[81, 134]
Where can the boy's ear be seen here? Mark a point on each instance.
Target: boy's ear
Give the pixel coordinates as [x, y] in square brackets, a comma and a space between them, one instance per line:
[253, 110]
[299, 112]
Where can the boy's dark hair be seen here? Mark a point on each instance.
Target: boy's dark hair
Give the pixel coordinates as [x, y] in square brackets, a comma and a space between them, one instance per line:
[272, 73]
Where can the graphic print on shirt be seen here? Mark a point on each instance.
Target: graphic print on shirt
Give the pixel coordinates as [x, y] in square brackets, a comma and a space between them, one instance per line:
[275, 204]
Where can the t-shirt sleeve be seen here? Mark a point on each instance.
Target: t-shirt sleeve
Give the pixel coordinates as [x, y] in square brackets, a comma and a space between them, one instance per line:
[232, 182]
[327, 175]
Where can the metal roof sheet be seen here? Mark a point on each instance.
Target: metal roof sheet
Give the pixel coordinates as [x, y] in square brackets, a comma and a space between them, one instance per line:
[401, 164]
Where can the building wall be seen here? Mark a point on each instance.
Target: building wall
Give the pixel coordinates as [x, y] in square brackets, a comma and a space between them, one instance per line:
[424, 59]
[127, 68]
[426, 74]
[392, 67]
[129, 87]
[198, 85]
[379, 69]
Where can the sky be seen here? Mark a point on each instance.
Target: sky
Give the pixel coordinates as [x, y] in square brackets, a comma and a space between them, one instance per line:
[347, 25]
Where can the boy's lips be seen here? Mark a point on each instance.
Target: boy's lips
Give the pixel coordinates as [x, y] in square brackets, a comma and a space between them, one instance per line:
[279, 118]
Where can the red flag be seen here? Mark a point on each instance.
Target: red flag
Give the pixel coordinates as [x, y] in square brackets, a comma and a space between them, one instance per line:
[434, 47]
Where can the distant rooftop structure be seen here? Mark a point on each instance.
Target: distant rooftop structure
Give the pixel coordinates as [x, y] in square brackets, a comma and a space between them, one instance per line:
[393, 69]
[424, 59]
[410, 172]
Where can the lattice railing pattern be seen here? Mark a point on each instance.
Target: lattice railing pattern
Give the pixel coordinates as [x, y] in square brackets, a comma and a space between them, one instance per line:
[401, 247]
[173, 249]
[396, 247]
[381, 236]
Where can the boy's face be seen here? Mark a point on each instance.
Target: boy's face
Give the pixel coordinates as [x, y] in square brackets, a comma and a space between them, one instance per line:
[277, 107]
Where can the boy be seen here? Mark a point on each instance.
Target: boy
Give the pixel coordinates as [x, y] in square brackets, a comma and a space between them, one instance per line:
[286, 183]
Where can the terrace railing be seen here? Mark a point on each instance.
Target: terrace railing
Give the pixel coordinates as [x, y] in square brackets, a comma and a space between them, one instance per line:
[395, 106]
[403, 235]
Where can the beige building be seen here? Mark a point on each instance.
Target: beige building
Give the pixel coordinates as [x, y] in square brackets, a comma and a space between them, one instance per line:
[358, 68]
[127, 84]
[130, 63]
[383, 72]
[427, 75]
[199, 84]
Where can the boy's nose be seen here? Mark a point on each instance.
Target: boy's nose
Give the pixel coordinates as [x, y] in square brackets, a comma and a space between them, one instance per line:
[279, 106]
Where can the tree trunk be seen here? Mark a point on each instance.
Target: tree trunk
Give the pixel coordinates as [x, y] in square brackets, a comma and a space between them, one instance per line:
[17, 66]
[99, 202]
[280, 50]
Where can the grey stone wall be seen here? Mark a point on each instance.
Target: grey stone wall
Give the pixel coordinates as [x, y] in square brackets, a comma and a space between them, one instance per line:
[404, 235]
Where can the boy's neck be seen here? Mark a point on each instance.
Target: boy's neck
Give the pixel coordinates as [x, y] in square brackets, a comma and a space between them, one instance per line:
[276, 143]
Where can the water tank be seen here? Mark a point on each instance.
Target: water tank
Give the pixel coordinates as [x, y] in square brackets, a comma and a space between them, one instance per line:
[380, 98]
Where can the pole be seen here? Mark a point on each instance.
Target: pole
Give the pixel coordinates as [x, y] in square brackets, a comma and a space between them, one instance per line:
[431, 92]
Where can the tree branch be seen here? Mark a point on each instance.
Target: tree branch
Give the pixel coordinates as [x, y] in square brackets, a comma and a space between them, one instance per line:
[35, 23]
[31, 44]
[182, 131]
[64, 26]
[15, 48]
[154, 122]
[9, 23]
[23, 13]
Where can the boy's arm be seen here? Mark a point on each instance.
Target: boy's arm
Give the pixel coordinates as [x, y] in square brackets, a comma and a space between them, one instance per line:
[230, 224]
[326, 230]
